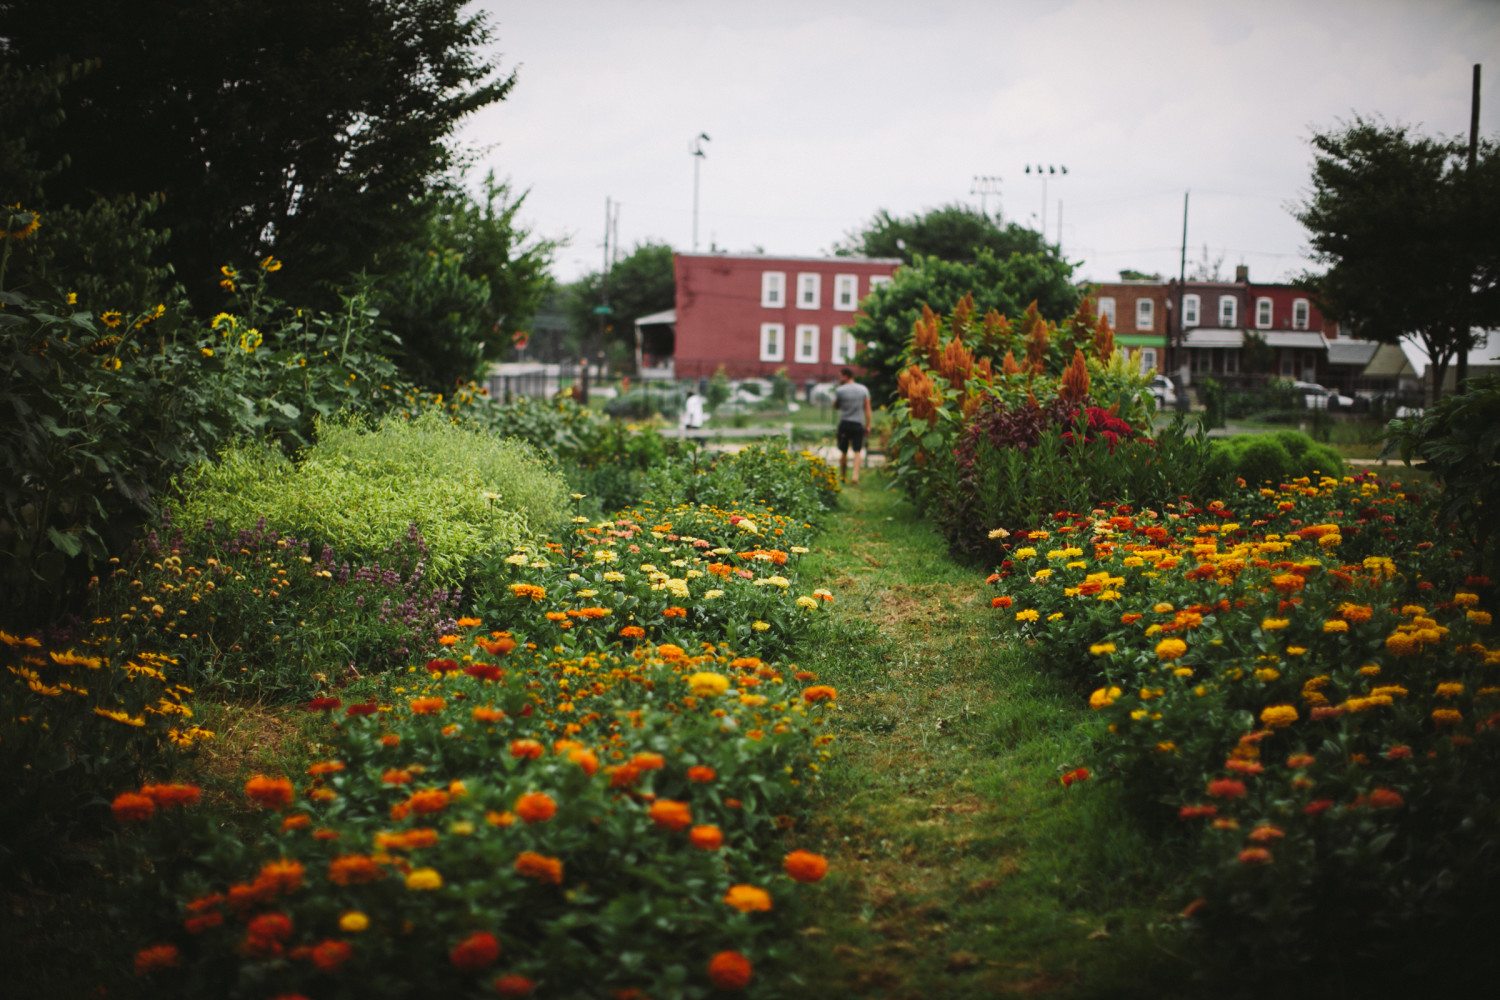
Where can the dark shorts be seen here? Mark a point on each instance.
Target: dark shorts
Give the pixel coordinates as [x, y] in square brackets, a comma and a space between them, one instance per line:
[851, 435]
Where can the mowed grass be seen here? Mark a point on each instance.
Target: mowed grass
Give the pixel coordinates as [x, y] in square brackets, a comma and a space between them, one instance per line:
[960, 865]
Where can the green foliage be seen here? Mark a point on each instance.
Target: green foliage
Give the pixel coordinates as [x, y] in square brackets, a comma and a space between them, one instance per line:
[1005, 285]
[1441, 276]
[361, 490]
[799, 485]
[952, 233]
[1213, 402]
[319, 147]
[718, 389]
[1459, 440]
[640, 284]
[1274, 458]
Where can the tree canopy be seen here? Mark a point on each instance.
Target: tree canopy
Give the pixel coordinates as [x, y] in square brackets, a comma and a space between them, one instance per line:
[1007, 285]
[638, 285]
[1409, 238]
[953, 232]
[311, 130]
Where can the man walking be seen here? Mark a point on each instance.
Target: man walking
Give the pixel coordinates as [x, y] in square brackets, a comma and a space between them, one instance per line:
[852, 401]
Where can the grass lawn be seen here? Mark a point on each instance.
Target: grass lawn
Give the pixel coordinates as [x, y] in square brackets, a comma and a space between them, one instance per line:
[962, 867]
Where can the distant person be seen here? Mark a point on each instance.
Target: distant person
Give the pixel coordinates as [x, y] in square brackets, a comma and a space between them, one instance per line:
[693, 412]
[852, 401]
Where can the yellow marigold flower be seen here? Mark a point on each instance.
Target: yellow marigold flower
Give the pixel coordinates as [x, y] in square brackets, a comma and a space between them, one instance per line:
[1478, 617]
[1104, 697]
[1296, 650]
[1449, 689]
[1334, 625]
[708, 684]
[424, 880]
[1101, 649]
[1278, 716]
[1267, 674]
[810, 603]
[1465, 600]
[1170, 649]
[1447, 716]
[1163, 608]
[354, 922]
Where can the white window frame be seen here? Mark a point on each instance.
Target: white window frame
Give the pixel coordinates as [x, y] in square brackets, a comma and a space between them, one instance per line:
[879, 281]
[773, 289]
[843, 349]
[808, 282]
[1107, 309]
[1305, 308]
[807, 336]
[768, 330]
[1148, 359]
[1191, 311]
[1264, 313]
[1229, 311]
[1145, 314]
[846, 292]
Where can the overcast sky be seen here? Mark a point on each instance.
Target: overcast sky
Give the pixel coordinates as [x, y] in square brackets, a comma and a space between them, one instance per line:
[821, 112]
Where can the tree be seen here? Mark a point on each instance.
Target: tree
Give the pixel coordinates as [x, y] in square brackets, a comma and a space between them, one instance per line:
[455, 298]
[639, 285]
[1006, 285]
[311, 130]
[953, 232]
[1408, 236]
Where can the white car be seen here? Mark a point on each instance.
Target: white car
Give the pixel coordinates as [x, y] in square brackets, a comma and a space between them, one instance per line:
[1163, 392]
[1315, 397]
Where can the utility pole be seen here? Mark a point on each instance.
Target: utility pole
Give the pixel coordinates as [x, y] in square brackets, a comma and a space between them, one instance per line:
[698, 154]
[985, 184]
[1059, 225]
[1461, 375]
[1175, 338]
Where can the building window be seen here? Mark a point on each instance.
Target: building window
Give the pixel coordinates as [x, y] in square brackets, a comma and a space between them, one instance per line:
[1148, 359]
[1107, 308]
[879, 281]
[809, 289]
[1263, 314]
[1300, 311]
[1203, 361]
[772, 342]
[845, 292]
[843, 348]
[773, 289]
[1229, 311]
[1189, 311]
[1231, 361]
[807, 345]
[1145, 314]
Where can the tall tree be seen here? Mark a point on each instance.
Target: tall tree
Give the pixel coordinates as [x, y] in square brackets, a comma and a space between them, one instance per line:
[311, 130]
[884, 323]
[639, 285]
[1408, 236]
[953, 232]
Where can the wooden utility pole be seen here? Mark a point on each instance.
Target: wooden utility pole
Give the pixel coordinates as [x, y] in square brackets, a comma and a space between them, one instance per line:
[1461, 375]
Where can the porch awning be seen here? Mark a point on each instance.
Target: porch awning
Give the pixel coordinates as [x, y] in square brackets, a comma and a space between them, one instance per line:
[1303, 339]
[1214, 338]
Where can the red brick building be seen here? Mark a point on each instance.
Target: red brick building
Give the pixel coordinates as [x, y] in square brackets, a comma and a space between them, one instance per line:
[754, 314]
[1137, 310]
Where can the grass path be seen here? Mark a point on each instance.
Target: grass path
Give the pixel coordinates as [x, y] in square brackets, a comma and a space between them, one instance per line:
[963, 867]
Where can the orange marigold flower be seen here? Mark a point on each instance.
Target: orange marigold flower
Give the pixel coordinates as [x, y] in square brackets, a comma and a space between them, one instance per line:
[1001, 602]
[671, 814]
[486, 714]
[536, 807]
[729, 970]
[701, 774]
[427, 706]
[513, 985]
[674, 612]
[477, 951]
[805, 866]
[747, 898]
[272, 793]
[540, 867]
[819, 692]
[707, 837]
[1255, 856]
[1227, 788]
[132, 807]
[647, 761]
[172, 795]
[354, 869]
[329, 954]
[156, 957]
[526, 749]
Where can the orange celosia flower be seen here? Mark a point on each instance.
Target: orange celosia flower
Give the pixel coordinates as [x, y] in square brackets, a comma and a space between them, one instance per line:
[272, 793]
[540, 867]
[747, 898]
[805, 866]
[729, 970]
[1074, 385]
[671, 814]
[477, 951]
[536, 807]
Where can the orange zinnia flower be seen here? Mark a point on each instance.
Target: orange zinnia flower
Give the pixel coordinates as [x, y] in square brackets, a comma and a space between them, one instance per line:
[172, 795]
[354, 869]
[819, 692]
[707, 837]
[526, 749]
[729, 970]
[329, 954]
[536, 807]
[272, 793]
[157, 956]
[701, 774]
[513, 985]
[671, 814]
[427, 706]
[747, 898]
[633, 632]
[805, 866]
[540, 867]
[475, 952]
[130, 807]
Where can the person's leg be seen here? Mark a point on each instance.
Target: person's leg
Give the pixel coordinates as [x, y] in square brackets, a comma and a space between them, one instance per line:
[858, 461]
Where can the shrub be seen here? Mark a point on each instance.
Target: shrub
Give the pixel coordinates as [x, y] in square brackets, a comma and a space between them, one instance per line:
[361, 489]
[1275, 457]
[800, 485]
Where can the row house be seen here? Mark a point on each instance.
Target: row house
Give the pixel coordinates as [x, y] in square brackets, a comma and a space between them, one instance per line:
[754, 314]
[1138, 311]
[1242, 328]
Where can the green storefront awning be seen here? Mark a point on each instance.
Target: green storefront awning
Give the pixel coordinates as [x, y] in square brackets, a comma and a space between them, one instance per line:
[1141, 339]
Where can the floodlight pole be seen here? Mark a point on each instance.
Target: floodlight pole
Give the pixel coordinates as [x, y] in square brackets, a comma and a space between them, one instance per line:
[698, 154]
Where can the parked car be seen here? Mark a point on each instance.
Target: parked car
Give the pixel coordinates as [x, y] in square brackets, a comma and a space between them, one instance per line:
[1315, 397]
[650, 398]
[1163, 392]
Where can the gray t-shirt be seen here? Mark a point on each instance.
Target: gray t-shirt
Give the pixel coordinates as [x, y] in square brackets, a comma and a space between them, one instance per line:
[850, 400]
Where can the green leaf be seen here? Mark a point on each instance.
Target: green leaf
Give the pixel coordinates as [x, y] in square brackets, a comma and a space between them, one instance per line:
[68, 543]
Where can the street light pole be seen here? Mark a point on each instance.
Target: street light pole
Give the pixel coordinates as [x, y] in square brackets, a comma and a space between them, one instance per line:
[1044, 171]
[985, 184]
[698, 156]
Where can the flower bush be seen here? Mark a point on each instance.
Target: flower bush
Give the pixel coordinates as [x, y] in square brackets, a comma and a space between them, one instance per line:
[1300, 676]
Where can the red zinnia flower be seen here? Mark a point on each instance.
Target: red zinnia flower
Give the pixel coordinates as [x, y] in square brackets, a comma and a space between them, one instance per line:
[475, 952]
